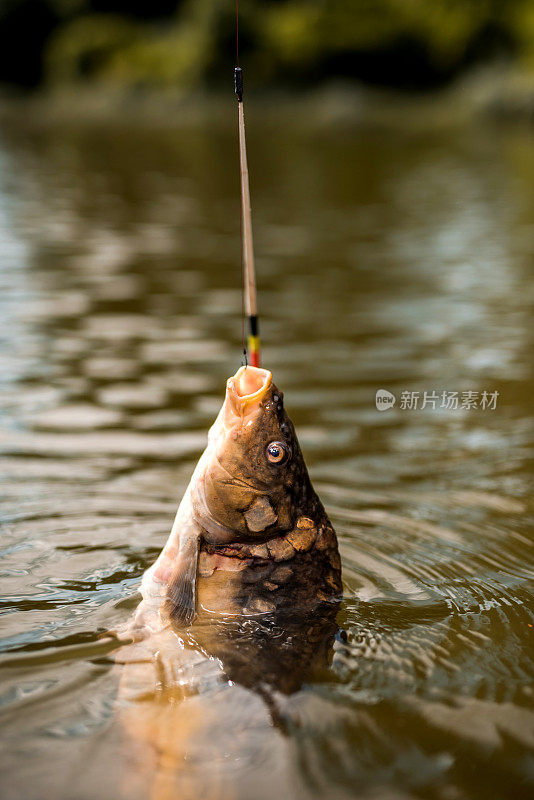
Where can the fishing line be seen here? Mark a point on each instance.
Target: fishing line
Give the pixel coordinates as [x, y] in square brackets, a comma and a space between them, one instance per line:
[248, 276]
[237, 33]
[244, 347]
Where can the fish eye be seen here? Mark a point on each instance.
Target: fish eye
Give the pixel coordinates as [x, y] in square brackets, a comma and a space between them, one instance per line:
[277, 452]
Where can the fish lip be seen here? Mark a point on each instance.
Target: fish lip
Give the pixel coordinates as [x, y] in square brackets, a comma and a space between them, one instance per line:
[263, 377]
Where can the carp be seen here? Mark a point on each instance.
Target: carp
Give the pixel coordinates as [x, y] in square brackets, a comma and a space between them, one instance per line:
[250, 535]
[237, 613]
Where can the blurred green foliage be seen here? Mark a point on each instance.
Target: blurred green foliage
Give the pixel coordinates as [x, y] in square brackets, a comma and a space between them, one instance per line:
[135, 43]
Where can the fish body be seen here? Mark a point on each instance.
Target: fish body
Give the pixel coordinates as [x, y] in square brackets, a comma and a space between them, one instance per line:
[250, 535]
[252, 560]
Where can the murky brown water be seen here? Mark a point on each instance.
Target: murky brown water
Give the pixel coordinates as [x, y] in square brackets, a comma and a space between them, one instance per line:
[386, 260]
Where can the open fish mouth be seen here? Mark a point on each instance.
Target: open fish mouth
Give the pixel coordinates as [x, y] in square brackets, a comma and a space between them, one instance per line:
[248, 387]
[241, 555]
[250, 383]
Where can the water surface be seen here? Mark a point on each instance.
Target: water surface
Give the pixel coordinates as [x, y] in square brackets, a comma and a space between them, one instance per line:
[387, 259]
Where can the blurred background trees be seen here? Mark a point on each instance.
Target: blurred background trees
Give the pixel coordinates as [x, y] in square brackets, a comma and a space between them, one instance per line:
[404, 44]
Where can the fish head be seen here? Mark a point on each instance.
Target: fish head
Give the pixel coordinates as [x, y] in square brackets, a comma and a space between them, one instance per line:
[254, 471]
[250, 535]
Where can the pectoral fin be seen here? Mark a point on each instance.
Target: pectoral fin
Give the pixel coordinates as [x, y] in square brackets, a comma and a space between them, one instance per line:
[180, 603]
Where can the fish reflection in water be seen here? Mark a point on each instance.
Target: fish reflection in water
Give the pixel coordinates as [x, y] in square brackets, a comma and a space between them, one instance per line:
[201, 707]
